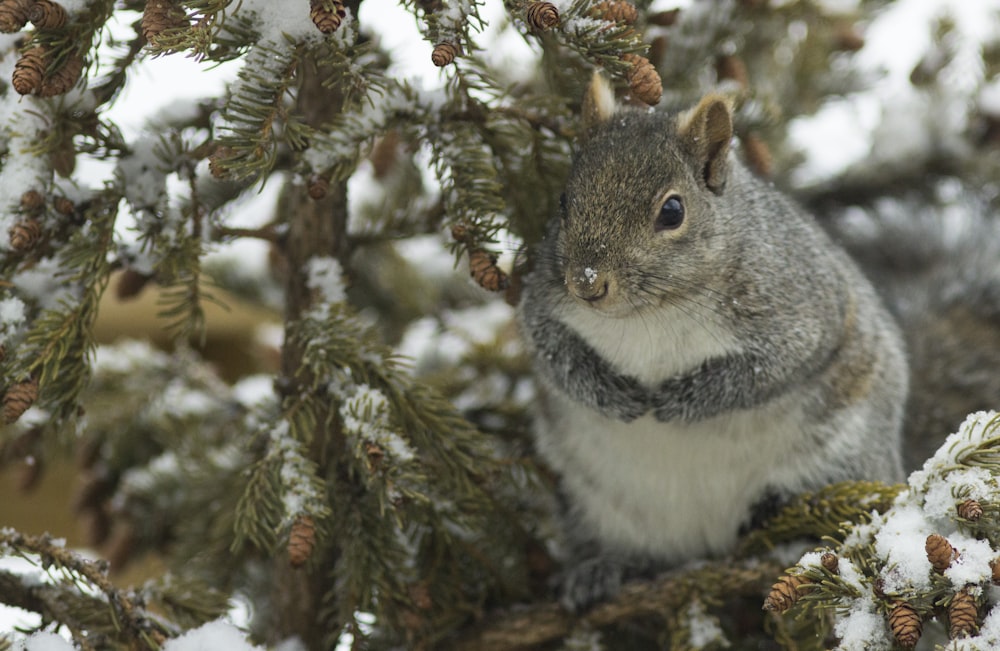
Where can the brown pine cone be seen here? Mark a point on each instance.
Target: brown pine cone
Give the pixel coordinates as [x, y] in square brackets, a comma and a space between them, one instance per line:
[63, 79]
[217, 161]
[970, 510]
[483, 268]
[443, 54]
[830, 562]
[729, 67]
[758, 155]
[905, 624]
[29, 71]
[45, 14]
[64, 206]
[995, 566]
[643, 79]
[963, 615]
[939, 552]
[14, 15]
[18, 398]
[327, 20]
[25, 234]
[131, 283]
[785, 592]
[159, 16]
[301, 540]
[32, 201]
[616, 11]
[542, 15]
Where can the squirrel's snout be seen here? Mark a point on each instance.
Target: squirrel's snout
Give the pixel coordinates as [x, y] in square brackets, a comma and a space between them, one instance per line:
[588, 285]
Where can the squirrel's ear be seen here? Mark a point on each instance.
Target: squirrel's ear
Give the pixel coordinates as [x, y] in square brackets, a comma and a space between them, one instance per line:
[598, 102]
[706, 130]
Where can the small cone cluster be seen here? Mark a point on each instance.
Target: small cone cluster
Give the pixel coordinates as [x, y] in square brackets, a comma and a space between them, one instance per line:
[327, 16]
[616, 11]
[30, 73]
[18, 398]
[643, 79]
[159, 16]
[444, 54]
[940, 553]
[301, 540]
[905, 624]
[45, 14]
[542, 16]
[785, 593]
[830, 562]
[318, 186]
[963, 615]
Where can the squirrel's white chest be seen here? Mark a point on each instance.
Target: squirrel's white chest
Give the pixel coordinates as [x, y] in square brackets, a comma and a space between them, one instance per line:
[654, 344]
[673, 491]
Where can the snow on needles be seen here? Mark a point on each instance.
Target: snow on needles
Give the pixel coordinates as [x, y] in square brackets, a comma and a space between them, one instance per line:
[964, 467]
[210, 637]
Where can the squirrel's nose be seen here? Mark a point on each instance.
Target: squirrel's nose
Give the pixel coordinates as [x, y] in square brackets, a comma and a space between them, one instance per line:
[588, 285]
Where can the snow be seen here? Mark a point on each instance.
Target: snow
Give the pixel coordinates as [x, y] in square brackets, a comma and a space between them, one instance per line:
[365, 413]
[43, 642]
[863, 627]
[704, 628]
[211, 637]
[326, 277]
[254, 390]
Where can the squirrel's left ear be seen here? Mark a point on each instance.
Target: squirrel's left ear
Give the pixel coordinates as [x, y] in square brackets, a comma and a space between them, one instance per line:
[706, 131]
[598, 103]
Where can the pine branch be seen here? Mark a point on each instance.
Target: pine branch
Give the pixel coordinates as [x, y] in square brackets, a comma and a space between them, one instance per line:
[543, 623]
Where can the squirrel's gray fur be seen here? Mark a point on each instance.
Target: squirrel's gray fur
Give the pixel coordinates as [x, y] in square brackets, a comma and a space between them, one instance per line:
[689, 376]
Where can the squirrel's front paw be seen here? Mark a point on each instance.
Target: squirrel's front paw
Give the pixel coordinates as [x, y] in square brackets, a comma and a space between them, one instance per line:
[591, 581]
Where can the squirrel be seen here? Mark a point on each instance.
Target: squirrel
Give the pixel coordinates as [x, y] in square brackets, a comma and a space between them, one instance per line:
[703, 349]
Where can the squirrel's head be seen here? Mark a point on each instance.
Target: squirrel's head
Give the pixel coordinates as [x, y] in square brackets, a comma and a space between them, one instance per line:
[638, 217]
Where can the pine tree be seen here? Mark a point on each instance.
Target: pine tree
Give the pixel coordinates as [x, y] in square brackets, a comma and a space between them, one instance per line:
[366, 499]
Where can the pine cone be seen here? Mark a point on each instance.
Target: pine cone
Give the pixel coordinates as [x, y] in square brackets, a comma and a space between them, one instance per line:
[327, 20]
[443, 54]
[459, 232]
[616, 11]
[995, 566]
[643, 79]
[905, 624]
[542, 15]
[217, 162]
[483, 268]
[729, 67]
[301, 540]
[385, 154]
[940, 552]
[830, 562]
[318, 186]
[32, 201]
[63, 79]
[18, 398]
[375, 454]
[29, 71]
[14, 15]
[159, 16]
[45, 14]
[663, 18]
[963, 615]
[758, 155]
[64, 206]
[25, 234]
[970, 510]
[785, 592]
[131, 283]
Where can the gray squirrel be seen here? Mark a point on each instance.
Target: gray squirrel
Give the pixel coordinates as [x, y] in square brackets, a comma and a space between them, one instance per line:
[703, 348]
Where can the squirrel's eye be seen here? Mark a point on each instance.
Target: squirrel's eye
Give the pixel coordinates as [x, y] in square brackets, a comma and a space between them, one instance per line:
[671, 214]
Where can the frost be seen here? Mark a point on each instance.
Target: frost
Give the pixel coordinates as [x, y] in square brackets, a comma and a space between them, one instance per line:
[125, 357]
[11, 312]
[901, 542]
[254, 390]
[211, 637]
